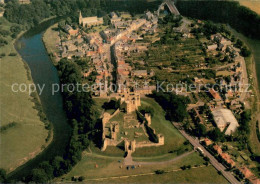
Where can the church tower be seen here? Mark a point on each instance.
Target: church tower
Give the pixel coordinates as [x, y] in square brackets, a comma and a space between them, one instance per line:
[80, 18]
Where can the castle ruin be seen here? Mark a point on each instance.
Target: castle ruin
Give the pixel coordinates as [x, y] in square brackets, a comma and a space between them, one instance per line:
[116, 132]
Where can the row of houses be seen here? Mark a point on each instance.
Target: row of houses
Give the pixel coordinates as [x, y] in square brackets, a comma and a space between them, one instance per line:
[225, 156]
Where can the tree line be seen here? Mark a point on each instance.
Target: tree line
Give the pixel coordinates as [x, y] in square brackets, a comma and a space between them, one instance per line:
[38, 10]
[229, 12]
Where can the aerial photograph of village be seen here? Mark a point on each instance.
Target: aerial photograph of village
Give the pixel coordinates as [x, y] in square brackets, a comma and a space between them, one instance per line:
[130, 91]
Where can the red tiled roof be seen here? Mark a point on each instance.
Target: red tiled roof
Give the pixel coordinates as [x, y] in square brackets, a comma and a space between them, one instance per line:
[218, 149]
[246, 172]
[215, 94]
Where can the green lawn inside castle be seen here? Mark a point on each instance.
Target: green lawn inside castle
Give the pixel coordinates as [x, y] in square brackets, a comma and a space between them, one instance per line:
[135, 124]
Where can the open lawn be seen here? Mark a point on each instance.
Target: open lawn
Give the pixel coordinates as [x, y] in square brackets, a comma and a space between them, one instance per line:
[173, 139]
[99, 102]
[96, 166]
[23, 141]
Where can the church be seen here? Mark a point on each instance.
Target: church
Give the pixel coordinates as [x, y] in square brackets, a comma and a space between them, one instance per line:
[90, 21]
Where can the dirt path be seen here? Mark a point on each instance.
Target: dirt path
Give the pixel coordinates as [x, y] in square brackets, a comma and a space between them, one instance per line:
[163, 162]
[136, 175]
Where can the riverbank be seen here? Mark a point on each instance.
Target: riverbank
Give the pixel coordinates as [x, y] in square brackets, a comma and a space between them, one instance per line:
[253, 68]
[28, 137]
[32, 51]
[51, 42]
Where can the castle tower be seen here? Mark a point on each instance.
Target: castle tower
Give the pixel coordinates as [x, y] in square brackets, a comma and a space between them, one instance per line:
[148, 118]
[104, 147]
[160, 139]
[133, 144]
[126, 145]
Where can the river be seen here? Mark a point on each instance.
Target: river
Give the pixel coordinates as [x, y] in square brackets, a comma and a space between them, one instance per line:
[31, 48]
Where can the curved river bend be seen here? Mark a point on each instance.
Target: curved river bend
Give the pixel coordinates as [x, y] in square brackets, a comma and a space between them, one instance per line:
[31, 48]
[33, 52]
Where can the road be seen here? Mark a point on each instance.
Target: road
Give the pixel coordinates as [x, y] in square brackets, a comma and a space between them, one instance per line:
[244, 80]
[214, 162]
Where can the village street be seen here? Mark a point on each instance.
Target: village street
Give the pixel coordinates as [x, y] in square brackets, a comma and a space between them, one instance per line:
[214, 162]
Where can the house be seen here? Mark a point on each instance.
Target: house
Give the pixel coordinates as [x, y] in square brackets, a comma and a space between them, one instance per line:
[254, 180]
[1, 12]
[90, 21]
[225, 119]
[149, 15]
[139, 73]
[24, 1]
[246, 172]
[217, 38]
[68, 29]
[218, 149]
[227, 158]
[212, 47]
[208, 141]
[146, 90]
[114, 17]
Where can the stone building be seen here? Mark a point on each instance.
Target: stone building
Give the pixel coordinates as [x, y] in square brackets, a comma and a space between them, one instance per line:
[90, 21]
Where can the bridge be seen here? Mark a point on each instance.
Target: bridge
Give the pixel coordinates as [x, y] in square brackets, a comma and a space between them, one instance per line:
[170, 4]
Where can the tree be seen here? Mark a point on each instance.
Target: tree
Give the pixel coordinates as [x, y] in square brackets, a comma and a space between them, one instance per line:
[58, 165]
[48, 169]
[39, 176]
[81, 178]
[174, 105]
[62, 24]
[216, 135]
[245, 51]
[239, 43]
[2, 175]
[201, 130]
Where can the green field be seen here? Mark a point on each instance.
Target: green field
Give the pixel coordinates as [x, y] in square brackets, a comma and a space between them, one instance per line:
[96, 166]
[27, 138]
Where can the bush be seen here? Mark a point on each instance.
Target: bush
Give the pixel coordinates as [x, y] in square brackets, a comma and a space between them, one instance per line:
[12, 54]
[81, 178]
[5, 127]
[159, 172]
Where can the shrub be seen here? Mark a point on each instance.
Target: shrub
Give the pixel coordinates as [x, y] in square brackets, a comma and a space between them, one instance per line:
[12, 54]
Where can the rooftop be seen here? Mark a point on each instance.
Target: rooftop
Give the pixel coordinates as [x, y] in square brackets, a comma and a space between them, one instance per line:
[224, 117]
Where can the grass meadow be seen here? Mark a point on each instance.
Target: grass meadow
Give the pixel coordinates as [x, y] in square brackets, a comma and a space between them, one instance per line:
[23, 141]
[94, 166]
